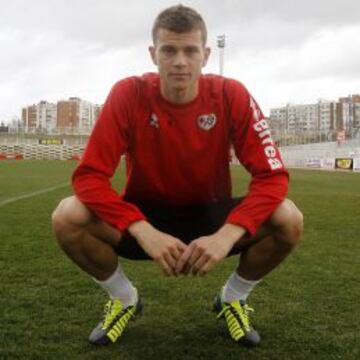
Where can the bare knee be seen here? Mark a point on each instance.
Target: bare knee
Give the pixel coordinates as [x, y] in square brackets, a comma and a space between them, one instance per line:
[72, 220]
[69, 217]
[287, 222]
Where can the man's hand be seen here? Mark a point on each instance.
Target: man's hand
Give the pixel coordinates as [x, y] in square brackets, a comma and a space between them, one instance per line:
[205, 252]
[163, 248]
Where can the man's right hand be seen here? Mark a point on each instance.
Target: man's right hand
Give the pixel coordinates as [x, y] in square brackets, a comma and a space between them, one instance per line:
[163, 248]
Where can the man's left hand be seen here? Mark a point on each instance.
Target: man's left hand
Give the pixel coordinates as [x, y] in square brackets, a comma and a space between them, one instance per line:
[205, 252]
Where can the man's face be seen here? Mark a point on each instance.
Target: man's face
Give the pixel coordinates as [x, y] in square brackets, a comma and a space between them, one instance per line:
[179, 58]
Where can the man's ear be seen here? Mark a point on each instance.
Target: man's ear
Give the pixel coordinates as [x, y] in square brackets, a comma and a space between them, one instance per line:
[152, 54]
[206, 56]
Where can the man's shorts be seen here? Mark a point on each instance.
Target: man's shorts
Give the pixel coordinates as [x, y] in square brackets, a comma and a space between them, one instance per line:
[184, 223]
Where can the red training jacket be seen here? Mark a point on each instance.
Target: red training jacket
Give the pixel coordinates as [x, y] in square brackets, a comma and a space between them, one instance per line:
[178, 155]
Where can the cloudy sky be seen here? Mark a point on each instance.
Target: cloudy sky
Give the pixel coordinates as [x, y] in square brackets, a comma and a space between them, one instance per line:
[282, 50]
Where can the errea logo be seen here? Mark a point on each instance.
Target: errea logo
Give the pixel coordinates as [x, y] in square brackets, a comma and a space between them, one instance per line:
[262, 128]
[206, 122]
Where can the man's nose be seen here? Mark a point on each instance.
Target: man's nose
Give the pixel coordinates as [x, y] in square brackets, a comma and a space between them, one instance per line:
[180, 59]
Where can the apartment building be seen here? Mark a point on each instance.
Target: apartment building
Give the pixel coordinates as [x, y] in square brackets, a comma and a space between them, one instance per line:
[39, 116]
[46, 115]
[348, 112]
[322, 117]
[28, 117]
[68, 113]
[71, 115]
[77, 113]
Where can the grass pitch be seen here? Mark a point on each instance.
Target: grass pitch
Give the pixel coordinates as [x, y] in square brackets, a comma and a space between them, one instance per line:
[306, 309]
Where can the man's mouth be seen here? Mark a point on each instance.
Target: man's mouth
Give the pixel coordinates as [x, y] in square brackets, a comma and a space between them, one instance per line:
[179, 75]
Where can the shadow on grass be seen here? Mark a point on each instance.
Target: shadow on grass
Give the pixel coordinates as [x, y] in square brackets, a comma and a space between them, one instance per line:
[182, 341]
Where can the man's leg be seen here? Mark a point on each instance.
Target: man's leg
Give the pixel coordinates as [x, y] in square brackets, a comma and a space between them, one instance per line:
[274, 241]
[90, 243]
[87, 241]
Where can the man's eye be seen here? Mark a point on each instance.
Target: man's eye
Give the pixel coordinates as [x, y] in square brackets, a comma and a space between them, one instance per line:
[168, 50]
[191, 50]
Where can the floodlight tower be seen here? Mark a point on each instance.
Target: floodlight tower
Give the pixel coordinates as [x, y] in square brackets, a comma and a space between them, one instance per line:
[221, 46]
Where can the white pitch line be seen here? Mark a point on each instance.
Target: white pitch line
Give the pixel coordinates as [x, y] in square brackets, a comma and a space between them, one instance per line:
[34, 193]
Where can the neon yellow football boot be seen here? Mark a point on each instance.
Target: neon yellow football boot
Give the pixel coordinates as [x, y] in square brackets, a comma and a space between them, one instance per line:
[236, 315]
[116, 319]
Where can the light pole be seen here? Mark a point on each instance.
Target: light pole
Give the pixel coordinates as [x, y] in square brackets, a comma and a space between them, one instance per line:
[221, 46]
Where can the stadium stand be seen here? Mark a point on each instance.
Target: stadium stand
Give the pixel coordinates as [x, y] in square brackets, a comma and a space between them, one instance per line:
[41, 152]
[301, 155]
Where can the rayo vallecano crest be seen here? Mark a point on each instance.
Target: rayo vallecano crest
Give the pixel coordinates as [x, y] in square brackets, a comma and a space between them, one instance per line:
[206, 122]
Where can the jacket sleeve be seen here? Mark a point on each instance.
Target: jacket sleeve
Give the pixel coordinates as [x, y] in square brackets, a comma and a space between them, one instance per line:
[257, 152]
[108, 141]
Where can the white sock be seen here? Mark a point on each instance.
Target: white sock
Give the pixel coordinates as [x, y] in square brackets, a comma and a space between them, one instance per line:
[237, 288]
[119, 286]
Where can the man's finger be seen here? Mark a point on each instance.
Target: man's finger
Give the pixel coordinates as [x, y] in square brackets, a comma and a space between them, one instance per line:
[178, 249]
[201, 261]
[171, 261]
[183, 260]
[181, 246]
[175, 253]
[195, 255]
[204, 269]
[165, 267]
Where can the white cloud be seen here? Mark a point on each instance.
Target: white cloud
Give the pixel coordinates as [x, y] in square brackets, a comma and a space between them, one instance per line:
[328, 53]
[282, 51]
[324, 66]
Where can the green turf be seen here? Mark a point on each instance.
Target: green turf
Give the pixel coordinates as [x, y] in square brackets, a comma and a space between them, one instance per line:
[306, 309]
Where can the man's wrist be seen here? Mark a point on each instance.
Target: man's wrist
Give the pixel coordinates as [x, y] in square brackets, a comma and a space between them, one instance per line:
[137, 228]
[232, 233]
